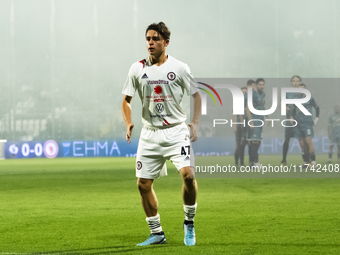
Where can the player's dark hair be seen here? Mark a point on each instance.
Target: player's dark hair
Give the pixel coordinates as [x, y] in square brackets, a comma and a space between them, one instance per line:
[296, 76]
[250, 82]
[259, 80]
[303, 85]
[161, 28]
[243, 88]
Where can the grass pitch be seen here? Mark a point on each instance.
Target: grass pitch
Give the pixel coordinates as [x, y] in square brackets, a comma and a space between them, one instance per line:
[92, 206]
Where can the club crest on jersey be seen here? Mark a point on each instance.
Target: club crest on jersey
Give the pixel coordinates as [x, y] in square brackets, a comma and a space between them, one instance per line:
[139, 165]
[171, 76]
[159, 107]
[158, 90]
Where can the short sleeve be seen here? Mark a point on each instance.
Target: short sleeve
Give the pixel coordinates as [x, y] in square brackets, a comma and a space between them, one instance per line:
[189, 84]
[131, 83]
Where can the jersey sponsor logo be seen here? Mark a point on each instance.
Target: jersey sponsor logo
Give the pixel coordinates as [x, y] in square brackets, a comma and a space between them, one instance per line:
[139, 165]
[157, 82]
[171, 76]
[158, 100]
[161, 116]
[158, 89]
[159, 107]
[145, 76]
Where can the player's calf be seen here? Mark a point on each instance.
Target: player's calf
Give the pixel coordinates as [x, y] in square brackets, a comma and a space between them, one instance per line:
[313, 158]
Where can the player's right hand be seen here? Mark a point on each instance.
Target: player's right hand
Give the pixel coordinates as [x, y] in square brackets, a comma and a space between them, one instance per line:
[128, 132]
[193, 133]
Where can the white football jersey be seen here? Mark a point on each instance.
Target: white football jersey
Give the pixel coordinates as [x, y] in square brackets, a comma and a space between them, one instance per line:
[161, 89]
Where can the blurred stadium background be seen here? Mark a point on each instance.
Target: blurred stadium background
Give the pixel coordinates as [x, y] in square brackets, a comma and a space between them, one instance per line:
[62, 67]
[63, 63]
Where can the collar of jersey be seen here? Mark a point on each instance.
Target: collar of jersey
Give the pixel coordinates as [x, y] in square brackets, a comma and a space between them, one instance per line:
[149, 64]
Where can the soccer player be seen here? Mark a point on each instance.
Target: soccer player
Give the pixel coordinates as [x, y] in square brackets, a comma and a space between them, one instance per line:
[161, 81]
[247, 117]
[334, 132]
[289, 131]
[304, 128]
[256, 132]
[240, 134]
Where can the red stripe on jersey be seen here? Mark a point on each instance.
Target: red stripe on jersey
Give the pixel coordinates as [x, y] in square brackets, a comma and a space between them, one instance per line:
[143, 62]
[166, 122]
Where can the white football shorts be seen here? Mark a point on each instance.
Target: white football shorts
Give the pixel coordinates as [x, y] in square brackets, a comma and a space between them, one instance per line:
[157, 145]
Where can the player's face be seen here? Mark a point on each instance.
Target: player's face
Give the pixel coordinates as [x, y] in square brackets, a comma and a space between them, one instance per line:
[260, 86]
[155, 43]
[244, 91]
[296, 82]
[253, 85]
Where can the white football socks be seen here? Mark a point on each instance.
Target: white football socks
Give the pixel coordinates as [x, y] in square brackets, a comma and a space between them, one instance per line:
[154, 224]
[190, 211]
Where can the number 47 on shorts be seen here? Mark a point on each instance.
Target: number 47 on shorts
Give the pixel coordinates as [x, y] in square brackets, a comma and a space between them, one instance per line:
[184, 151]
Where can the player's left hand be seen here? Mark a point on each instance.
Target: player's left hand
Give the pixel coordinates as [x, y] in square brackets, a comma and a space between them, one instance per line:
[316, 120]
[128, 132]
[193, 133]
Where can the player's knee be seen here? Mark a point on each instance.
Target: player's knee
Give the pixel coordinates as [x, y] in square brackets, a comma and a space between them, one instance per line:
[188, 174]
[302, 143]
[144, 185]
[309, 143]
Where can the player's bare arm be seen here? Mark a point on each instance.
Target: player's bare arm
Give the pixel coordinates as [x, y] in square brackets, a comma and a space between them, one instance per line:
[197, 113]
[126, 111]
